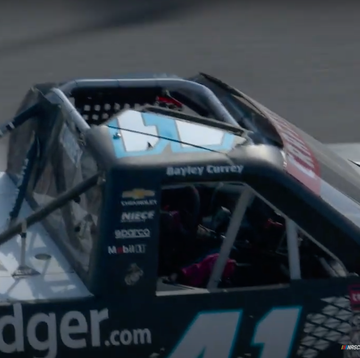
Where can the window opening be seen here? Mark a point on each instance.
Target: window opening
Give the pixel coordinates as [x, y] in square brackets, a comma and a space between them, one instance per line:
[76, 222]
[225, 235]
[324, 259]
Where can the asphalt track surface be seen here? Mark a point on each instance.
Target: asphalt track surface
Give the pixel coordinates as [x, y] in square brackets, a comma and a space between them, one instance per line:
[300, 59]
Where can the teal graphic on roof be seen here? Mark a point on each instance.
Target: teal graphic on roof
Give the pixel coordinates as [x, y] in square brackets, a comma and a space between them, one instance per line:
[139, 134]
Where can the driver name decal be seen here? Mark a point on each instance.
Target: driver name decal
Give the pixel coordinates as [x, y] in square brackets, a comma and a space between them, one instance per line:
[45, 332]
[208, 169]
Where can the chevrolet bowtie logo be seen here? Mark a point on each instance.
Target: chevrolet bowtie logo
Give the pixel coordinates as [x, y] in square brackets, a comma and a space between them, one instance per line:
[137, 194]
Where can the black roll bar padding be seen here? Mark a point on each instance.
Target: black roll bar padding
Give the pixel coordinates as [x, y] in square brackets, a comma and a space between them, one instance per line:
[44, 211]
[190, 117]
[171, 84]
[31, 157]
[58, 97]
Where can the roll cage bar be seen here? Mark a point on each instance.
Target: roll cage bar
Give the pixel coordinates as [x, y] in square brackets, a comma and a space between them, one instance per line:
[60, 96]
[244, 201]
[292, 231]
[51, 98]
[56, 97]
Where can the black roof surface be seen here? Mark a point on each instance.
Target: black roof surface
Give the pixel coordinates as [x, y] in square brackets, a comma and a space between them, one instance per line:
[335, 180]
[241, 153]
[332, 169]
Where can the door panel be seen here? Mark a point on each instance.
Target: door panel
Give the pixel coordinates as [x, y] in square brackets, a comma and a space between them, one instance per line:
[308, 319]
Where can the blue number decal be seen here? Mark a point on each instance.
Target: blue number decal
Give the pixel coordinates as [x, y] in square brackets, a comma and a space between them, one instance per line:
[138, 130]
[214, 334]
[210, 335]
[276, 331]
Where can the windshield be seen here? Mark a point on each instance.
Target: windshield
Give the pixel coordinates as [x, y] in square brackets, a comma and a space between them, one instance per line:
[242, 110]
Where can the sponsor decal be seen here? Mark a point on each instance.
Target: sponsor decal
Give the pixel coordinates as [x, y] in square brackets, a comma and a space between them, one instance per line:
[132, 234]
[138, 202]
[300, 160]
[208, 169]
[127, 249]
[138, 197]
[152, 133]
[138, 194]
[137, 216]
[134, 273]
[73, 329]
[354, 294]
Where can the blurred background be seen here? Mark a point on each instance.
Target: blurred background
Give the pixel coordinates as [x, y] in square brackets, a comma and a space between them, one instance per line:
[302, 59]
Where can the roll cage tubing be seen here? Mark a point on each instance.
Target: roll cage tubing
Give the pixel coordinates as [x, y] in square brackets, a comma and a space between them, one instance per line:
[293, 250]
[55, 204]
[206, 95]
[292, 230]
[59, 97]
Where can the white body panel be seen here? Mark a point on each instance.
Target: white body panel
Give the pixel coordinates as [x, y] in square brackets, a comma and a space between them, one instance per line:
[56, 279]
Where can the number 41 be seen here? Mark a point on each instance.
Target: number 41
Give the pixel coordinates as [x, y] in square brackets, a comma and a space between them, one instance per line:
[214, 334]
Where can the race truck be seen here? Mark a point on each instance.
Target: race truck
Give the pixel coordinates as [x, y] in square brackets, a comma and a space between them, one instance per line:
[157, 216]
